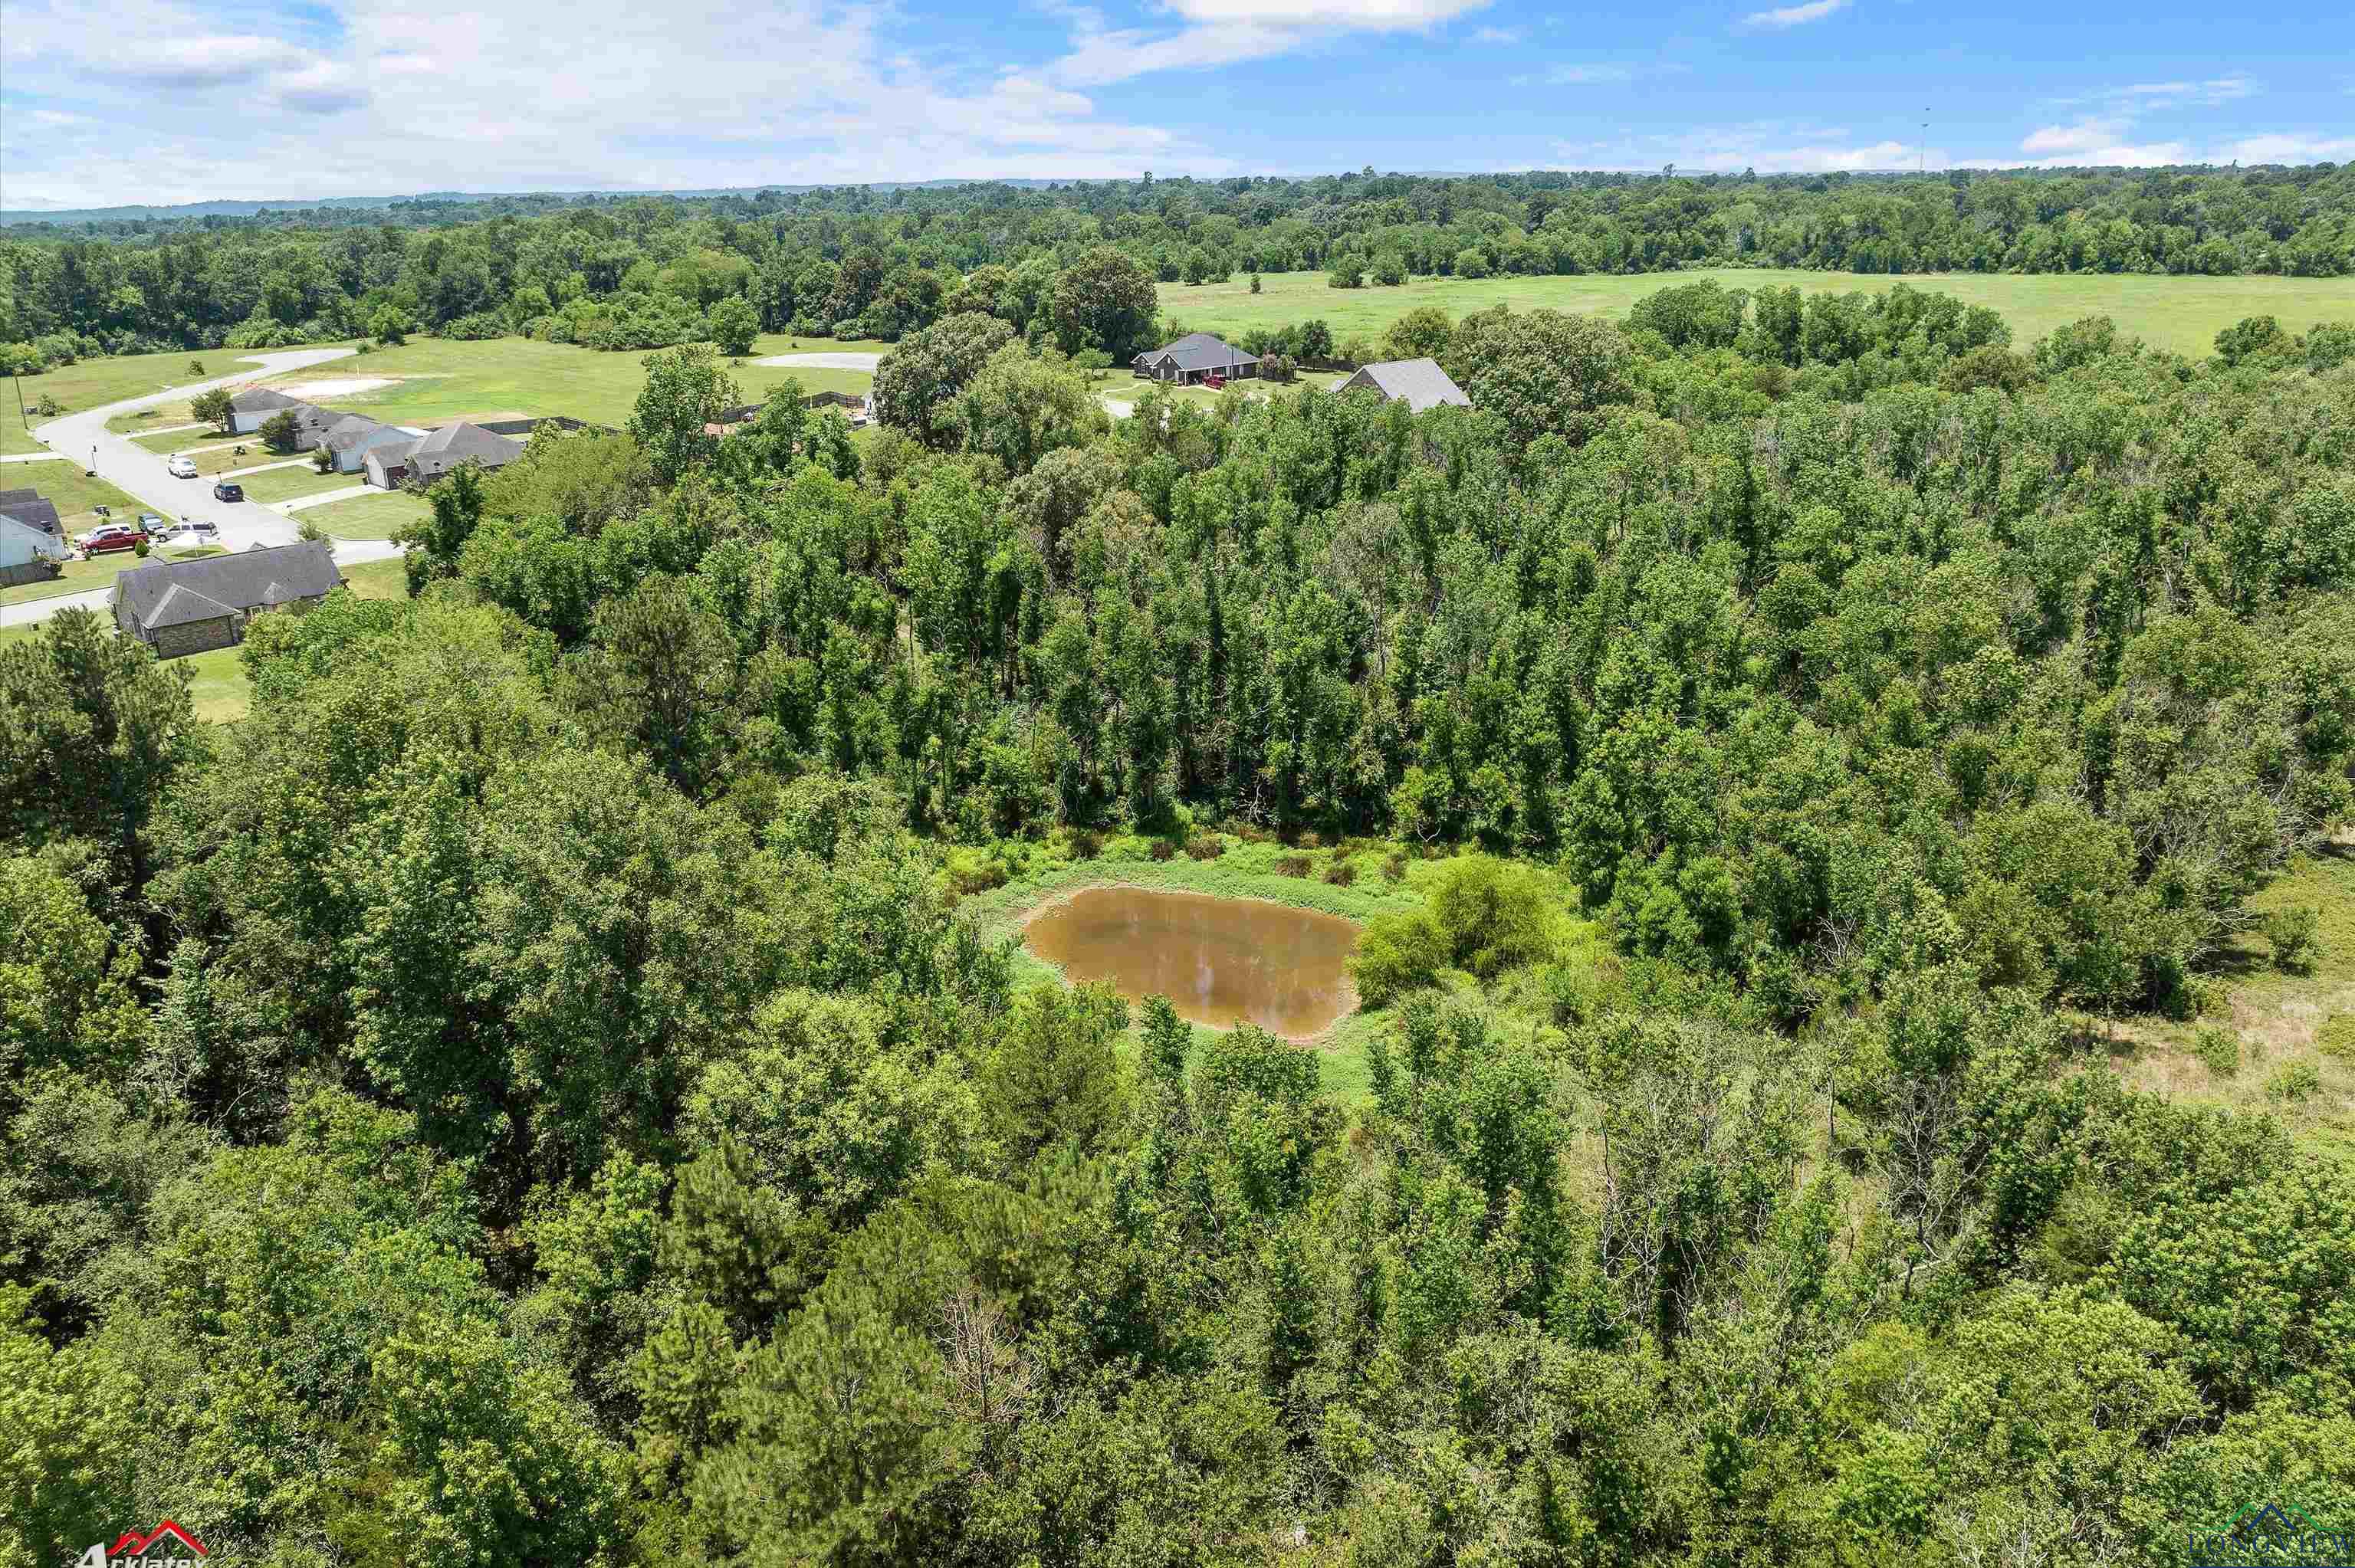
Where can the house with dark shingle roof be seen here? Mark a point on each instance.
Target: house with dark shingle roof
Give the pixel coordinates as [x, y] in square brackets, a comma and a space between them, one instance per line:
[28, 507]
[187, 607]
[249, 408]
[351, 438]
[1420, 384]
[1194, 357]
[436, 452]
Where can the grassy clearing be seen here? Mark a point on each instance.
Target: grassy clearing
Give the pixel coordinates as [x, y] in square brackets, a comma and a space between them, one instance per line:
[97, 381]
[82, 576]
[367, 517]
[2181, 314]
[218, 684]
[378, 580]
[2282, 1042]
[288, 483]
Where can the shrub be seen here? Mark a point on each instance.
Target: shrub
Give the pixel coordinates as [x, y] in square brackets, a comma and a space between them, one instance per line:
[1206, 846]
[1394, 867]
[1340, 873]
[2292, 932]
[1291, 865]
[2220, 1050]
[1397, 954]
[971, 871]
[1495, 916]
[1086, 846]
[1164, 849]
[2337, 1036]
[2296, 1083]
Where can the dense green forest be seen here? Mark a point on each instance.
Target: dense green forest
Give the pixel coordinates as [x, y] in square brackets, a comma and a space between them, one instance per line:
[528, 1093]
[650, 272]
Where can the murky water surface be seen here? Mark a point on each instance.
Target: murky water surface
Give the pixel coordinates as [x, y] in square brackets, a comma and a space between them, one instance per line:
[1216, 960]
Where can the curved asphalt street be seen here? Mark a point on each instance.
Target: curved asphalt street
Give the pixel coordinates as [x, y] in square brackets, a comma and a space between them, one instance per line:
[84, 438]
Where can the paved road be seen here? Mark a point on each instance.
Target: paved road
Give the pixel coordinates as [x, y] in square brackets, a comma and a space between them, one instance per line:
[244, 525]
[141, 473]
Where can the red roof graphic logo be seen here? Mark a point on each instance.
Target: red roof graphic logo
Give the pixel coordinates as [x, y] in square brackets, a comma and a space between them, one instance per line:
[133, 1543]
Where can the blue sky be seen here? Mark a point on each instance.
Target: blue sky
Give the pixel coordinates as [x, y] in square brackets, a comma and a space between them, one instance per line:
[161, 101]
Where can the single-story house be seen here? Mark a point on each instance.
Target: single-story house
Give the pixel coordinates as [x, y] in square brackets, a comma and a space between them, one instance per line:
[247, 409]
[28, 507]
[436, 452]
[28, 552]
[187, 607]
[350, 440]
[1420, 384]
[1194, 357]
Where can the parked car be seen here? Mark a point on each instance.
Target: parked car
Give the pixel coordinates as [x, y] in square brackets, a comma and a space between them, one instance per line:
[224, 491]
[181, 466]
[190, 531]
[113, 536]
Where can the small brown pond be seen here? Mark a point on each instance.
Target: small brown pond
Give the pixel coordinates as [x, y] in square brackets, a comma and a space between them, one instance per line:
[1216, 960]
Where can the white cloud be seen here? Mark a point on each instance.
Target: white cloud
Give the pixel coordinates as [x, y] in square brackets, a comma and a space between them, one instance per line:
[1498, 35]
[2081, 137]
[1227, 32]
[471, 99]
[1377, 16]
[2292, 147]
[1591, 74]
[1770, 147]
[1794, 16]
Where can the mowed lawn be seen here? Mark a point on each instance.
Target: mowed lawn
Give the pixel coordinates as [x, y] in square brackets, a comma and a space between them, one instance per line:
[367, 517]
[78, 496]
[2181, 315]
[289, 484]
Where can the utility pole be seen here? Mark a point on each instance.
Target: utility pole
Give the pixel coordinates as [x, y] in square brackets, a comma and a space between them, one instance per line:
[1924, 148]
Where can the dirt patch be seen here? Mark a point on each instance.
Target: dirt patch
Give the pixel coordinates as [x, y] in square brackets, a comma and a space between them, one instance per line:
[339, 386]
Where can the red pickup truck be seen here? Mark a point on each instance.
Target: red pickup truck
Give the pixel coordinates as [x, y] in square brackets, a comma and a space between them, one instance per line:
[111, 537]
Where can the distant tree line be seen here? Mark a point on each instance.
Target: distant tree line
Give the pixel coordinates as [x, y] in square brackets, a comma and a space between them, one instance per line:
[649, 272]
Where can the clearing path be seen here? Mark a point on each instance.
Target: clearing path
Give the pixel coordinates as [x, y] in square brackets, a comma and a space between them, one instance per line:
[824, 361]
[340, 387]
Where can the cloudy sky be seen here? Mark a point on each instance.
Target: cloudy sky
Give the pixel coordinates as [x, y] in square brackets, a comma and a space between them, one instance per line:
[153, 100]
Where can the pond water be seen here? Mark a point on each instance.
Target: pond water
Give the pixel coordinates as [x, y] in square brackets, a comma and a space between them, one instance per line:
[1216, 960]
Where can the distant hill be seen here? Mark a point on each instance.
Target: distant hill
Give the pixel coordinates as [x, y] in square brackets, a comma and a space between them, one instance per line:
[13, 216]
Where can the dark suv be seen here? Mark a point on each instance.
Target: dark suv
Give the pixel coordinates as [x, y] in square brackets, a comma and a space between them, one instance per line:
[225, 490]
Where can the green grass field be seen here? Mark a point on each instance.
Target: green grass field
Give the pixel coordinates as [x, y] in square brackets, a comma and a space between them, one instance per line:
[367, 517]
[2181, 314]
[97, 381]
[287, 483]
[77, 497]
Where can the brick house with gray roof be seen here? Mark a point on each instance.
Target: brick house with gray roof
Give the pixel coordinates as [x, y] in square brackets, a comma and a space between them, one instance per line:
[187, 607]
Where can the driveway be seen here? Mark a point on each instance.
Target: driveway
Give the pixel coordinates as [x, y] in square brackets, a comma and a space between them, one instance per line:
[141, 473]
[824, 361]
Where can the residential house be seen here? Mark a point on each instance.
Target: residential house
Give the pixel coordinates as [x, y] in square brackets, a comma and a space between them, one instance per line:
[27, 507]
[189, 606]
[251, 409]
[436, 452]
[1420, 384]
[1194, 358]
[349, 440]
[30, 554]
